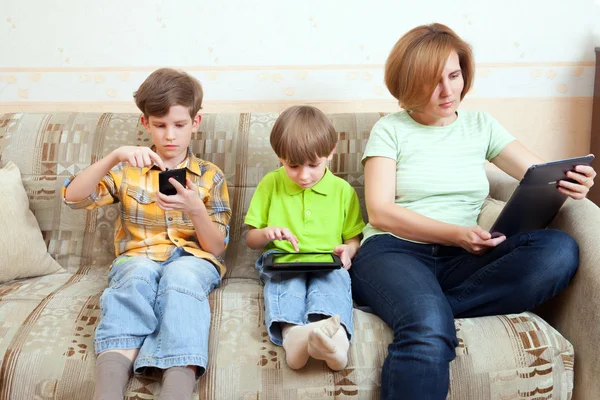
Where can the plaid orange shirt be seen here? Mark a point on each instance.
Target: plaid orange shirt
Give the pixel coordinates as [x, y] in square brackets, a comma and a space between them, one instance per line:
[146, 230]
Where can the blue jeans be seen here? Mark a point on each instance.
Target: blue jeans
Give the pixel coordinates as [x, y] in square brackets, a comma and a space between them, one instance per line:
[418, 290]
[301, 298]
[160, 308]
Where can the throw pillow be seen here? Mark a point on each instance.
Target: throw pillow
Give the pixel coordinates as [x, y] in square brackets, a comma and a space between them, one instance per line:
[24, 252]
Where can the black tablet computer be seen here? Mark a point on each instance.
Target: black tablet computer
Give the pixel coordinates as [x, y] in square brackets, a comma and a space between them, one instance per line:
[301, 262]
[551, 172]
[536, 201]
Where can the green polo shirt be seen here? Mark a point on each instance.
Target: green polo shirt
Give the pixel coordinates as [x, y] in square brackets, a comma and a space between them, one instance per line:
[321, 217]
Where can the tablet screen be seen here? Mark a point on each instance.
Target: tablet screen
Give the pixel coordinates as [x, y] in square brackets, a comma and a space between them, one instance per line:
[302, 258]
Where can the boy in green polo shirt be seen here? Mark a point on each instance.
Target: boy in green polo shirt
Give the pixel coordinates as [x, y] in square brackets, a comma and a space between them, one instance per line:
[303, 206]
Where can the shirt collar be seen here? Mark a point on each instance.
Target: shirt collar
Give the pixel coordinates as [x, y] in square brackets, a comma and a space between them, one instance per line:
[322, 187]
[190, 162]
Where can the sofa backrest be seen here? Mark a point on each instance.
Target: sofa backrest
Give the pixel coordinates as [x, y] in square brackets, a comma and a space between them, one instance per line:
[48, 148]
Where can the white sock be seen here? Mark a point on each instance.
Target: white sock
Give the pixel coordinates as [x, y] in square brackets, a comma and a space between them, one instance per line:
[295, 342]
[329, 342]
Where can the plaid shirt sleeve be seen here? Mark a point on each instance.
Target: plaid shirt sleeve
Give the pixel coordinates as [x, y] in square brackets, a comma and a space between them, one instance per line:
[217, 200]
[105, 193]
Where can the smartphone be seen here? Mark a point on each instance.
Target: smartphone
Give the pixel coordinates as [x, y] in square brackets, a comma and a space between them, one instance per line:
[164, 186]
[301, 262]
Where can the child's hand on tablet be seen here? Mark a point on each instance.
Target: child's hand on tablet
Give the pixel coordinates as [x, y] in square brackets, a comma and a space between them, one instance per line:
[276, 233]
[345, 253]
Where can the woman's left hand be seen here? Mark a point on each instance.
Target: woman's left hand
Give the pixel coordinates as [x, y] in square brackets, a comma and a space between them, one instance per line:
[584, 176]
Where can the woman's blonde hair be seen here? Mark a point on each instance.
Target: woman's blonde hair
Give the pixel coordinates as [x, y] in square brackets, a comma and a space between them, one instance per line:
[303, 134]
[416, 63]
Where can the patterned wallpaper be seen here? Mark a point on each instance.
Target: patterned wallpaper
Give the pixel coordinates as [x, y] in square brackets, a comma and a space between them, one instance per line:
[283, 50]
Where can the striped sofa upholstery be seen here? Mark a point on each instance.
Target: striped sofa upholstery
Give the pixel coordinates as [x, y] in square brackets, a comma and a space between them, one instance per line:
[47, 323]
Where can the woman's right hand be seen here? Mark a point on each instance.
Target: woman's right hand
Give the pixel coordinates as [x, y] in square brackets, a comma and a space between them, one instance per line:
[477, 240]
[139, 156]
[275, 233]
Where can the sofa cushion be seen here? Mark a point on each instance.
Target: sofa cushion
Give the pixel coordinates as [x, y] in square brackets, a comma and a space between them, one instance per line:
[498, 357]
[23, 250]
[490, 210]
[47, 328]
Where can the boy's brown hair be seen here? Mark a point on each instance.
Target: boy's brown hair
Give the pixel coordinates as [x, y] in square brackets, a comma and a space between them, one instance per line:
[415, 64]
[303, 134]
[165, 88]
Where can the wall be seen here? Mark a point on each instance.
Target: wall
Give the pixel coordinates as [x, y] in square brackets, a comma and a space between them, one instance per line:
[534, 59]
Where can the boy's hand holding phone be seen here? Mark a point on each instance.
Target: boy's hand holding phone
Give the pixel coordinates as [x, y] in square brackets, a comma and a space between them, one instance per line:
[186, 198]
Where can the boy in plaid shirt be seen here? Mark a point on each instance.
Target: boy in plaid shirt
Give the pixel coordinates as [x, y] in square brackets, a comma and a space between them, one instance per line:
[155, 311]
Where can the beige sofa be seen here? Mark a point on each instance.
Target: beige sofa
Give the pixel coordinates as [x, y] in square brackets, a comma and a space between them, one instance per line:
[47, 323]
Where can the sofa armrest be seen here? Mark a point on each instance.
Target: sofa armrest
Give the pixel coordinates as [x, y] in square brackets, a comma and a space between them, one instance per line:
[501, 184]
[575, 312]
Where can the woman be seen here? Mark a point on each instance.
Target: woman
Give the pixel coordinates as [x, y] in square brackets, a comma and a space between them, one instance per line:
[423, 260]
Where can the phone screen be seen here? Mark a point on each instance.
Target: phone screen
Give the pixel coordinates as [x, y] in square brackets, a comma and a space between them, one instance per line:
[301, 258]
